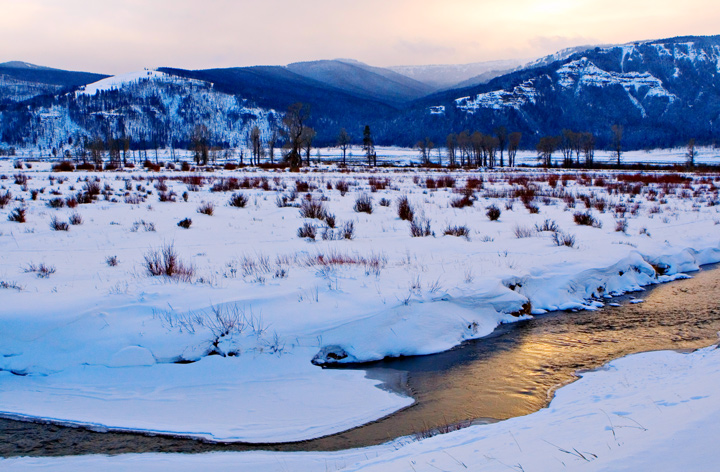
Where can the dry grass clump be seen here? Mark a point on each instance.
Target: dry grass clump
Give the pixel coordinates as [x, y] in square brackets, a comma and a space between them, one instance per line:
[621, 225]
[586, 219]
[5, 198]
[43, 271]
[459, 231]
[405, 211]
[462, 202]
[523, 232]
[313, 209]
[165, 262]
[147, 226]
[378, 184]
[342, 186]
[363, 204]
[56, 203]
[18, 215]
[57, 225]
[238, 200]
[76, 219]
[372, 264]
[493, 213]
[307, 231]
[563, 239]
[185, 223]
[547, 225]
[206, 209]
[420, 227]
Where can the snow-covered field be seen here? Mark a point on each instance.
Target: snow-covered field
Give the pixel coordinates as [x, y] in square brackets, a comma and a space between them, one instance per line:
[222, 348]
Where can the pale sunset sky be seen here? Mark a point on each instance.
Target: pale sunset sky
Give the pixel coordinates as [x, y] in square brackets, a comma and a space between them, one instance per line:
[125, 35]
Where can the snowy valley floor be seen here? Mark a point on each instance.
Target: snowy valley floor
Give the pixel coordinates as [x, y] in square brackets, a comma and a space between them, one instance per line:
[222, 347]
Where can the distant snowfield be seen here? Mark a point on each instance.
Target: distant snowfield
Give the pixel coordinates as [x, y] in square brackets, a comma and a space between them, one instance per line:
[118, 81]
[226, 354]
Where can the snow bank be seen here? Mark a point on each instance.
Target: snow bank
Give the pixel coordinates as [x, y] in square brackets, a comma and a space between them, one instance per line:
[655, 411]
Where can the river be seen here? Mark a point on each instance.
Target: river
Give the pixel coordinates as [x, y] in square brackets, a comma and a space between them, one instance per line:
[513, 372]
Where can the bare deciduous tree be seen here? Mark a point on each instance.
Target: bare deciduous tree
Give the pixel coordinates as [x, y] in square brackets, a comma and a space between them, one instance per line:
[294, 125]
[513, 146]
[343, 142]
[617, 135]
[451, 144]
[691, 153]
[546, 147]
[502, 137]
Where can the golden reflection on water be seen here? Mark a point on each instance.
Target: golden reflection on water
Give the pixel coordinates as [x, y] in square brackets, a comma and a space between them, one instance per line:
[516, 373]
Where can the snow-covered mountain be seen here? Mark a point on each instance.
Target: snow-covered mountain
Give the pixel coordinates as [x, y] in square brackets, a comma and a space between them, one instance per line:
[662, 92]
[444, 76]
[149, 107]
[363, 80]
[20, 81]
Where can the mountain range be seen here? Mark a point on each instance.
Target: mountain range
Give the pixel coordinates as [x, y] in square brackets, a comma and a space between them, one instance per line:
[663, 92]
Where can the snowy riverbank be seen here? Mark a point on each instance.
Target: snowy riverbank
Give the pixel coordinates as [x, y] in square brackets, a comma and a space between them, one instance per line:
[223, 351]
[654, 411]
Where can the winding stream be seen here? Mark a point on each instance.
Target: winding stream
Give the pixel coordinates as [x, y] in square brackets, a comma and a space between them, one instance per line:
[513, 372]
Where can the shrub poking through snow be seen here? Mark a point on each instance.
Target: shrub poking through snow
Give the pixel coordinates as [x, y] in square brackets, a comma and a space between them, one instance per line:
[459, 231]
[238, 200]
[342, 186]
[185, 223]
[462, 202]
[57, 202]
[206, 209]
[405, 211]
[167, 196]
[307, 231]
[57, 225]
[493, 213]
[4, 284]
[621, 225]
[18, 215]
[384, 202]
[43, 271]
[547, 225]
[63, 166]
[312, 209]
[148, 226]
[586, 219]
[420, 227]
[348, 230]
[523, 232]
[112, 261]
[165, 262]
[5, 198]
[532, 208]
[363, 204]
[76, 219]
[563, 239]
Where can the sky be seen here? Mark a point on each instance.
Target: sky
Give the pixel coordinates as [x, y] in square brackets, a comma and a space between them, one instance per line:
[119, 36]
